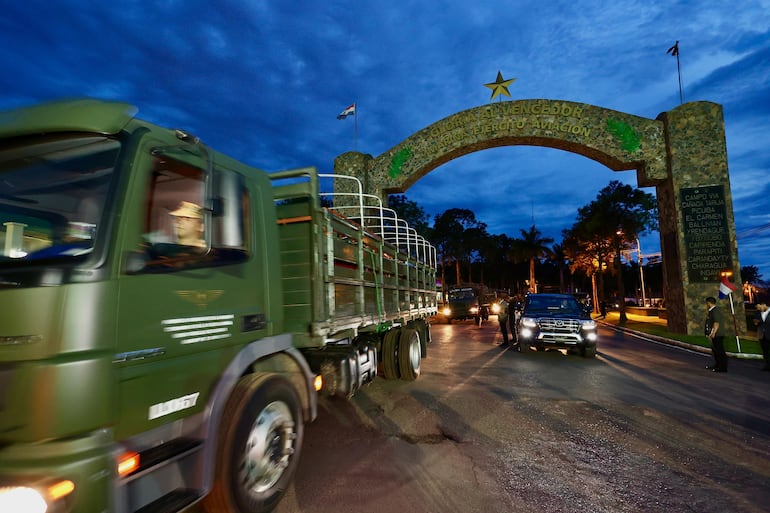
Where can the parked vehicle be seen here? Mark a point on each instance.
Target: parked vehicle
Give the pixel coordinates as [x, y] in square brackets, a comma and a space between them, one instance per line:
[169, 314]
[558, 321]
[462, 303]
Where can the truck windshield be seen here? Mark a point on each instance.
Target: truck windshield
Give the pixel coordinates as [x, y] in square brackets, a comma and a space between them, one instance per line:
[53, 192]
[540, 305]
[461, 295]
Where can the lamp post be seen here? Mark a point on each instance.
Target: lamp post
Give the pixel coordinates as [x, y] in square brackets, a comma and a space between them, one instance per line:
[641, 271]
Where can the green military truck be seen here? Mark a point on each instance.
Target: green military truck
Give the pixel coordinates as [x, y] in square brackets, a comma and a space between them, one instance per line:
[462, 303]
[168, 315]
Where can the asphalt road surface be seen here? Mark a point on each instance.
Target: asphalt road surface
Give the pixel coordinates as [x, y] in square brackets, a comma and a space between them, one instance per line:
[640, 428]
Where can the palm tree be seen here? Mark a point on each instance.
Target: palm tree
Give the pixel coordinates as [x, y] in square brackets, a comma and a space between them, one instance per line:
[559, 255]
[532, 246]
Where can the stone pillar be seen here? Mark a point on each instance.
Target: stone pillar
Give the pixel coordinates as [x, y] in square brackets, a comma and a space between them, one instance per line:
[697, 224]
[356, 165]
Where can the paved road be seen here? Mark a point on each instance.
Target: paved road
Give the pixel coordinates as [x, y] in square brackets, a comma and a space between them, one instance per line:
[640, 428]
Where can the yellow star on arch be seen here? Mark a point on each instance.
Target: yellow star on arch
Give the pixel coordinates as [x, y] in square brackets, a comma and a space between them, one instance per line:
[499, 86]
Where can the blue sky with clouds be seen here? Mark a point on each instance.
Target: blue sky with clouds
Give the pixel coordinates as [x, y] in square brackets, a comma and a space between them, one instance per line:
[264, 81]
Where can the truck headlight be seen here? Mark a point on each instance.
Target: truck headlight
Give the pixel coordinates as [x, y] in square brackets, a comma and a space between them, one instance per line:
[446, 311]
[474, 309]
[528, 322]
[21, 498]
[495, 308]
[589, 324]
[35, 500]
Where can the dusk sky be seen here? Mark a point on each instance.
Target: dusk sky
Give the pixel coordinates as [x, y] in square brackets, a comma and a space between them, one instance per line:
[263, 81]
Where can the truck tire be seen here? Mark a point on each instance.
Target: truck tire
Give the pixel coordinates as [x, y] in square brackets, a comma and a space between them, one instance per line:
[423, 329]
[390, 343]
[260, 440]
[409, 354]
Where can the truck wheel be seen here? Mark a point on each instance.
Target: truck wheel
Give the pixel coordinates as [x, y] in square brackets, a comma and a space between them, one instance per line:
[260, 438]
[423, 329]
[390, 345]
[409, 354]
[588, 351]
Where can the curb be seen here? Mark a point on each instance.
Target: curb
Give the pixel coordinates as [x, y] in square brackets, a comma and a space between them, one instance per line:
[677, 343]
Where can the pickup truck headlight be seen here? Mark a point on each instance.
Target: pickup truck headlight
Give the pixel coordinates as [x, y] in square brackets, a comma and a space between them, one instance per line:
[495, 308]
[446, 311]
[527, 326]
[474, 309]
[589, 327]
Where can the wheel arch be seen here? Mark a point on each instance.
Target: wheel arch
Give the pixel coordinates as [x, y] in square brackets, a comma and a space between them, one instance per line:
[272, 355]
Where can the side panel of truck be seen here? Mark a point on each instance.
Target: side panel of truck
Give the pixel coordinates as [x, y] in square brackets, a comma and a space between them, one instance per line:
[338, 276]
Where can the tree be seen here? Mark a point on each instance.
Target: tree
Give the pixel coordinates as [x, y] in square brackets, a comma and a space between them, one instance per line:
[750, 274]
[531, 247]
[412, 213]
[611, 223]
[494, 255]
[559, 255]
[456, 234]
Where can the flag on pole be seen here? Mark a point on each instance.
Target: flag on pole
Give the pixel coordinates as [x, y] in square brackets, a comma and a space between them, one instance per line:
[674, 50]
[725, 288]
[350, 110]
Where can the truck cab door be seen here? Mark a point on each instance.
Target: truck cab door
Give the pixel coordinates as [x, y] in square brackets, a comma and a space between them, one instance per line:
[191, 288]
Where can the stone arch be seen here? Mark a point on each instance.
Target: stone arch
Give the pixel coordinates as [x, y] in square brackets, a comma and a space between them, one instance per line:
[682, 153]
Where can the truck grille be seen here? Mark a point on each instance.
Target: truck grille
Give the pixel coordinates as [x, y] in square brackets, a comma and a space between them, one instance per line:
[559, 325]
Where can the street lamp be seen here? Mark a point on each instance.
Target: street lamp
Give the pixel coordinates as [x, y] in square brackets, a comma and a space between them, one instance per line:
[641, 270]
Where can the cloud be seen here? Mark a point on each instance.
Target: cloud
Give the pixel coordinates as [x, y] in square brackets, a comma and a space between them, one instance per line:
[264, 81]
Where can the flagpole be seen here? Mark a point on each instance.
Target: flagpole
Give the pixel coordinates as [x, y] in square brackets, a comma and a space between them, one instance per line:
[679, 74]
[735, 323]
[355, 127]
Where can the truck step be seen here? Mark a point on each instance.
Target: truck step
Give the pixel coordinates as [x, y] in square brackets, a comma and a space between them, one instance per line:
[172, 501]
[168, 452]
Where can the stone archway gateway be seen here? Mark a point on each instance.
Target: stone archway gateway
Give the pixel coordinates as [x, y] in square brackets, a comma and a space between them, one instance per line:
[682, 153]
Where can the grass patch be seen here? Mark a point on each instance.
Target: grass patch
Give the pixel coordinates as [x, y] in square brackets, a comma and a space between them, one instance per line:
[657, 327]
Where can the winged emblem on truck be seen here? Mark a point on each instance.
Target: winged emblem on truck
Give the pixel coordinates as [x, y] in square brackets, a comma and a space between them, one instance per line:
[201, 298]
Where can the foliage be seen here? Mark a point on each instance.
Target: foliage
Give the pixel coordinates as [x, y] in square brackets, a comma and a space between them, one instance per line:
[603, 229]
[750, 274]
[412, 213]
[457, 234]
[608, 225]
[531, 247]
